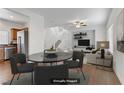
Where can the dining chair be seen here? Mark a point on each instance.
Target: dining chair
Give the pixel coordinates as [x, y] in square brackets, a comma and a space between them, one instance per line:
[76, 62]
[23, 67]
[46, 75]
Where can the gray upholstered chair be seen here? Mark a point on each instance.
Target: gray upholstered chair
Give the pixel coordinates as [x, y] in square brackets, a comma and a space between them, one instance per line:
[24, 67]
[45, 75]
[76, 62]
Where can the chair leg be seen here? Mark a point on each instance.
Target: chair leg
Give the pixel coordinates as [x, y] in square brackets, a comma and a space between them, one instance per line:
[18, 76]
[83, 74]
[12, 79]
[32, 79]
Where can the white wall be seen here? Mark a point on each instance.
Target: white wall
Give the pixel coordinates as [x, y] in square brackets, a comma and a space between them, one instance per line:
[58, 33]
[110, 38]
[36, 30]
[54, 34]
[36, 34]
[7, 25]
[118, 61]
[100, 32]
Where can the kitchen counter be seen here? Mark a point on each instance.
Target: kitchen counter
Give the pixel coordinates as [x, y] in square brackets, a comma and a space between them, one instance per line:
[4, 51]
[3, 46]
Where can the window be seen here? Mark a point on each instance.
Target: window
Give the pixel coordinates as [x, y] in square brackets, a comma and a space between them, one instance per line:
[4, 37]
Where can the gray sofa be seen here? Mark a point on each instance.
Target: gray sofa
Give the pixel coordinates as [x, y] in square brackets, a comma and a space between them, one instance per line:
[95, 59]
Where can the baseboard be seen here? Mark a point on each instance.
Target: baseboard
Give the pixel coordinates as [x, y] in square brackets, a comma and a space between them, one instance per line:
[98, 65]
[118, 76]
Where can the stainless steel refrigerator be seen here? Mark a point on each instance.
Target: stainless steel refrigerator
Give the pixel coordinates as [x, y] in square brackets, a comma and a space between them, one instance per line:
[22, 42]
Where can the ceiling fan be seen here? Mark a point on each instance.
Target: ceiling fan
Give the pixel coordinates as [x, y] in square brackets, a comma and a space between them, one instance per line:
[79, 23]
[75, 23]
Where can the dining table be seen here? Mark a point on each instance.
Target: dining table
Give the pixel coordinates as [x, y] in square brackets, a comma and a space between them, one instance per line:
[42, 57]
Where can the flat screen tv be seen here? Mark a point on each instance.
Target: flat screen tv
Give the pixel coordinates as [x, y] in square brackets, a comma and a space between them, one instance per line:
[85, 42]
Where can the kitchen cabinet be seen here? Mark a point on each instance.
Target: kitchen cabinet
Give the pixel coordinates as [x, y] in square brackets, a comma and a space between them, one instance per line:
[6, 51]
[13, 35]
[1, 53]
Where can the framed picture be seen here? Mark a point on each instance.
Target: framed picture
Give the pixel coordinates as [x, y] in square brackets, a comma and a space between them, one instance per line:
[120, 31]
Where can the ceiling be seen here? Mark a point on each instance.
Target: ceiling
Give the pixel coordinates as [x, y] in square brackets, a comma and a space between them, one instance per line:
[61, 16]
[9, 15]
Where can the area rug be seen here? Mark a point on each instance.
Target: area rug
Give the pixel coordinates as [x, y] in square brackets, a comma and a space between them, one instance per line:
[25, 79]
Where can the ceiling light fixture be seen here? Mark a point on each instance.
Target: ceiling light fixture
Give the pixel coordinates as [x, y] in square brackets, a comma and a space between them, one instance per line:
[11, 16]
[79, 23]
[78, 26]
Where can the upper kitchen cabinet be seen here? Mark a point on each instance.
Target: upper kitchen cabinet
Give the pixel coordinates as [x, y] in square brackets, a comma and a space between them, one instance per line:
[14, 33]
[1, 54]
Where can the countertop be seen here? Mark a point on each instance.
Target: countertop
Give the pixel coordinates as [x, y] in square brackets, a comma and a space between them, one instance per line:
[4, 46]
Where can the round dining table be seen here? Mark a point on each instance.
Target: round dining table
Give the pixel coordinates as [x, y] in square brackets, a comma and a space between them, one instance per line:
[57, 57]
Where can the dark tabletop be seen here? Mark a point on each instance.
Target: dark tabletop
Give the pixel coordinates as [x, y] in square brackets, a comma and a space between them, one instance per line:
[43, 58]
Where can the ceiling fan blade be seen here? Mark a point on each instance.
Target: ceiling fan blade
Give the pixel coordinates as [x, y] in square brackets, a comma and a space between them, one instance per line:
[83, 25]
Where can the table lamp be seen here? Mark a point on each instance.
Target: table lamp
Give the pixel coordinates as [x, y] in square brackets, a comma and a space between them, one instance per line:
[103, 45]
